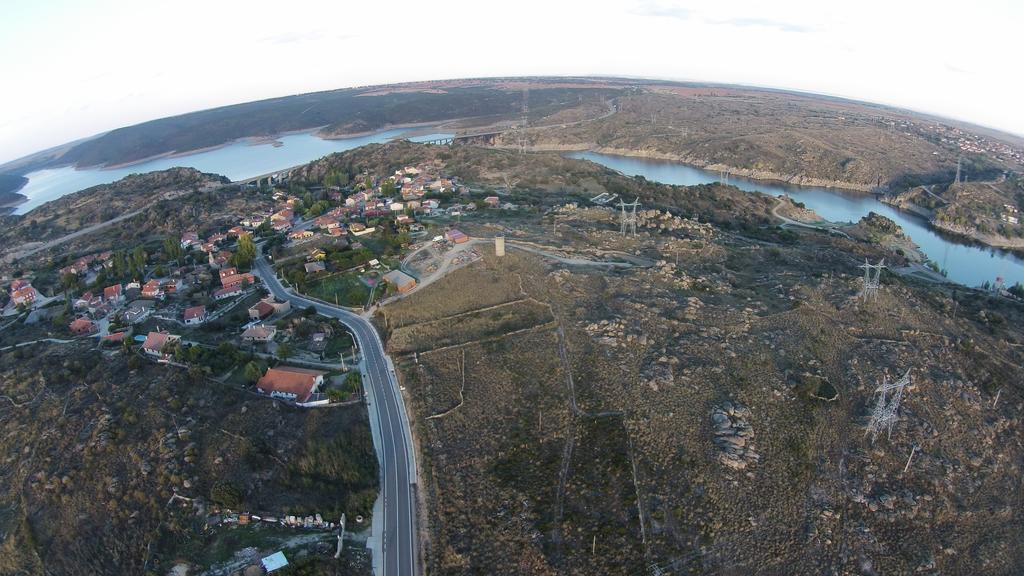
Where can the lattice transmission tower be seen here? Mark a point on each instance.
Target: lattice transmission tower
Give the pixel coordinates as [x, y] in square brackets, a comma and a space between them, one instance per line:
[524, 121]
[627, 218]
[886, 410]
[872, 276]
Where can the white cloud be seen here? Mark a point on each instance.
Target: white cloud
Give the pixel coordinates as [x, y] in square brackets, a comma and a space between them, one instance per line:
[77, 68]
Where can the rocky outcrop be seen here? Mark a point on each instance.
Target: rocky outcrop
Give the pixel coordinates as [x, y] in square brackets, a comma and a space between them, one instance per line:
[734, 436]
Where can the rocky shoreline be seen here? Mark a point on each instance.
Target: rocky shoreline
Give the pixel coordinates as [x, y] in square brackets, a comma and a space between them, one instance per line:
[753, 174]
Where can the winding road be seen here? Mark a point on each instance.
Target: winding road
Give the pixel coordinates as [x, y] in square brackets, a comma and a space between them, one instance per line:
[395, 452]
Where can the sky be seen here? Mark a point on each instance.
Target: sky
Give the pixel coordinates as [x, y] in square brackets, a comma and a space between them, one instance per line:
[76, 68]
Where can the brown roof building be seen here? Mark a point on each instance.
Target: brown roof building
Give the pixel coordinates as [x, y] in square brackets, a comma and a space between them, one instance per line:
[291, 383]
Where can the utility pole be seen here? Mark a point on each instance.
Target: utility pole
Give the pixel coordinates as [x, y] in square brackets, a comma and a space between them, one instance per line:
[912, 450]
[341, 537]
[872, 275]
[524, 120]
[627, 219]
[959, 160]
[886, 410]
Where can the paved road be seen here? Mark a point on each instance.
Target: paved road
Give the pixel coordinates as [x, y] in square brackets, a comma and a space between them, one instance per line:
[399, 540]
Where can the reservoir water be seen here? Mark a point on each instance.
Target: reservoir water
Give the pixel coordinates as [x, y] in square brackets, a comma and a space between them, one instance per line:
[966, 264]
[237, 161]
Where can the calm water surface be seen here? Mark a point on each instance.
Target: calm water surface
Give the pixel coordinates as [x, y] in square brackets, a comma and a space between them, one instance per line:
[967, 264]
[237, 161]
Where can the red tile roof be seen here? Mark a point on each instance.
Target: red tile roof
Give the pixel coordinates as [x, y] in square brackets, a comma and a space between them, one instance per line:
[112, 292]
[290, 380]
[263, 309]
[155, 341]
[195, 312]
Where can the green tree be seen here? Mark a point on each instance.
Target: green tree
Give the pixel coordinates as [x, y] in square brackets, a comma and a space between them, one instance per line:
[69, 282]
[387, 189]
[253, 372]
[172, 250]
[138, 260]
[284, 351]
[246, 253]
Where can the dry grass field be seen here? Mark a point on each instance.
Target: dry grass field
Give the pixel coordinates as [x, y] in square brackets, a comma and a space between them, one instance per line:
[589, 446]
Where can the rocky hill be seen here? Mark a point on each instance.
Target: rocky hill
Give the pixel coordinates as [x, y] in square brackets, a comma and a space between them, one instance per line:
[109, 464]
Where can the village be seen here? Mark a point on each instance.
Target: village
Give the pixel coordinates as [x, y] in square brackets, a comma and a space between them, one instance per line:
[196, 303]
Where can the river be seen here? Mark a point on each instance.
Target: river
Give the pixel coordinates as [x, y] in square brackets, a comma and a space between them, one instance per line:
[967, 264]
[237, 161]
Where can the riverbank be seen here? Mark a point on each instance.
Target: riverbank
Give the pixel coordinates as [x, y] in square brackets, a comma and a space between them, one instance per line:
[965, 260]
[764, 175]
[1015, 245]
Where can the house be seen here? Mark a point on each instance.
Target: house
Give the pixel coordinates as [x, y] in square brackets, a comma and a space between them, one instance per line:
[137, 311]
[492, 201]
[259, 333]
[300, 235]
[18, 285]
[403, 219]
[456, 236]
[253, 221]
[336, 232]
[84, 302]
[243, 278]
[113, 294]
[188, 239]
[358, 229]
[195, 315]
[227, 292]
[152, 289]
[227, 272]
[26, 295]
[396, 207]
[260, 310]
[281, 226]
[400, 280]
[217, 238]
[113, 338]
[291, 383]
[238, 231]
[315, 267]
[82, 326]
[156, 342]
[326, 222]
[316, 254]
[285, 215]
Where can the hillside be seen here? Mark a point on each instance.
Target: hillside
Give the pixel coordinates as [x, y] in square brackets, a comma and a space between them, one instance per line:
[801, 139]
[706, 414]
[987, 212]
[147, 206]
[9, 186]
[96, 445]
[337, 112]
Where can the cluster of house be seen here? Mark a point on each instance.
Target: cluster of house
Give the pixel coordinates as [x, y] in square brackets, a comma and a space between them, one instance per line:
[22, 293]
[86, 264]
[141, 298]
[217, 257]
[265, 308]
[233, 283]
